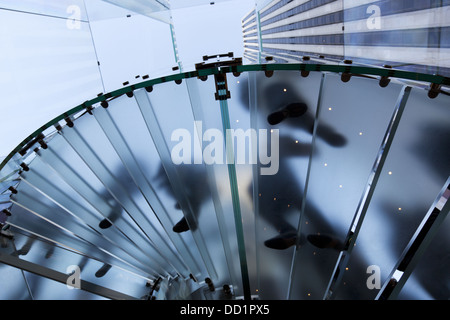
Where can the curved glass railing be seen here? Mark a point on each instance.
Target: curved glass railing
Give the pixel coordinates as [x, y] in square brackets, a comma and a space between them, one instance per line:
[281, 181]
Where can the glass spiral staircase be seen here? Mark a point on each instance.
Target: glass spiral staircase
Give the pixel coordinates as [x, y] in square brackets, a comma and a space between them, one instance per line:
[335, 186]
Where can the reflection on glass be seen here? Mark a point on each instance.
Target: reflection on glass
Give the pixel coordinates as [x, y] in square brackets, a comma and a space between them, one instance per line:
[414, 173]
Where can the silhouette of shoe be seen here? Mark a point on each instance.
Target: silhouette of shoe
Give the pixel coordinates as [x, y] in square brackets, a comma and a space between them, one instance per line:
[105, 224]
[292, 110]
[25, 249]
[282, 241]
[7, 234]
[181, 226]
[337, 140]
[103, 270]
[324, 241]
[330, 136]
[4, 242]
[49, 253]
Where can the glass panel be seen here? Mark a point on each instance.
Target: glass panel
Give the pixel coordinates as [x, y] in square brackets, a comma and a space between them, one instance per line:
[284, 112]
[430, 279]
[65, 9]
[31, 223]
[46, 289]
[187, 183]
[9, 175]
[243, 135]
[418, 157]
[127, 134]
[101, 10]
[155, 163]
[217, 29]
[154, 9]
[134, 131]
[13, 290]
[102, 159]
[114, 278]
[128, 58]
[18, 288]
[79, 212]
[30, 200]
[75, 173]
[206, 111]
[248, 96]
[398, 33]
[40, 50]
[354, 124]
[34, 249]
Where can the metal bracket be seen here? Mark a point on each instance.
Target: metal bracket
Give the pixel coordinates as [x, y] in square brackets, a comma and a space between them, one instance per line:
[222, 92]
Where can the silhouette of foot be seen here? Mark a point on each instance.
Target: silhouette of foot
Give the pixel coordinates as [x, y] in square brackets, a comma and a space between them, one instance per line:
[282, 241]
[103, 270]
[324, 241]
[331, 137]
[105, 224]
[292, 110]
[181, 226]
[49, 253]
[25, 249]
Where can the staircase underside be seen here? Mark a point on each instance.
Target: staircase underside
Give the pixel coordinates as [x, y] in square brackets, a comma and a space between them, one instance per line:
[307, 201]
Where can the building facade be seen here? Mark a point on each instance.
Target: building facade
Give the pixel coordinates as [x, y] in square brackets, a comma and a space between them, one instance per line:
[250, 30]
[408, 34]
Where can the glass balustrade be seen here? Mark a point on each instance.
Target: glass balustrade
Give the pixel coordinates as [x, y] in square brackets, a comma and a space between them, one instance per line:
[277, 181]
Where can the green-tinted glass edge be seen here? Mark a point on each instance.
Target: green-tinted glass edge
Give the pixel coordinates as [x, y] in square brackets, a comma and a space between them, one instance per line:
[355, 70]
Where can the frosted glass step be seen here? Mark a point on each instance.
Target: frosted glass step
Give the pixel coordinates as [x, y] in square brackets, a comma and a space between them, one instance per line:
[117, 139]
[148, 105]
[119, 192]
[113, 184]
[80, 213]
[105, 205]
